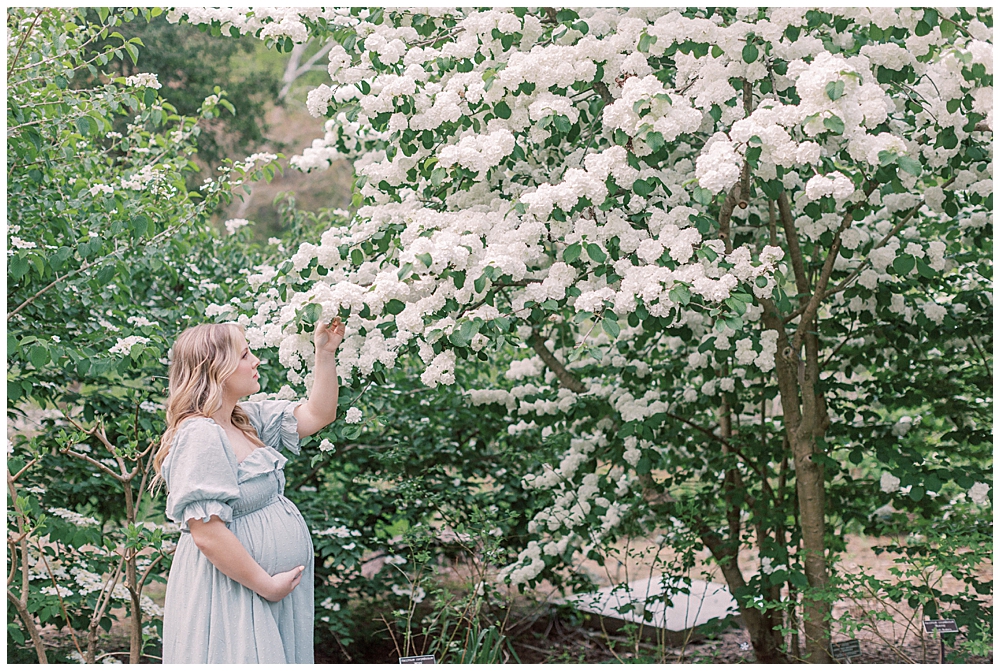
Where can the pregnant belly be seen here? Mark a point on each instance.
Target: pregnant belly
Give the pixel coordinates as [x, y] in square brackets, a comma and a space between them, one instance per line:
[276, 536]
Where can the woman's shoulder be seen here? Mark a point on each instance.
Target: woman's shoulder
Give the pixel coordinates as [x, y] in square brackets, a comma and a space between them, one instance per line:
[197, 429]
[196, 437]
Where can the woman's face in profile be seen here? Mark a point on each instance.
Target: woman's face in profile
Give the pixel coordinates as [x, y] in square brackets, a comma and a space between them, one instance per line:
[244, 380]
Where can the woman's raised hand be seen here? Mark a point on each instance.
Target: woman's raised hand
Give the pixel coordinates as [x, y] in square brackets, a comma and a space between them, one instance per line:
[283, 583]
[328, 337]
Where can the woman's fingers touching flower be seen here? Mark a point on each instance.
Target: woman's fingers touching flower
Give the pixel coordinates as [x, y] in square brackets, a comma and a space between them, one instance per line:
[329, 336]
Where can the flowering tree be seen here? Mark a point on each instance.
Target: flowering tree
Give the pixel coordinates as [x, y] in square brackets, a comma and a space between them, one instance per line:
[696, 222]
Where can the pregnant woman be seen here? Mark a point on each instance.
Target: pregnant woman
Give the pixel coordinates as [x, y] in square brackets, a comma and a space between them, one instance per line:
[240, 588]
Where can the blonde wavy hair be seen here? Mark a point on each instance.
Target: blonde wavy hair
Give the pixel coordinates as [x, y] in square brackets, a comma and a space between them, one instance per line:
[204, 356]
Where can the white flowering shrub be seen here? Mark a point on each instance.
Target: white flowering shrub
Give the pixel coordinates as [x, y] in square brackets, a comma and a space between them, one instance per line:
[696, 222]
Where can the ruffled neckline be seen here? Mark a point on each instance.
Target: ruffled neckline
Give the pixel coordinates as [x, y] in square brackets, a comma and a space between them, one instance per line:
[262, 460]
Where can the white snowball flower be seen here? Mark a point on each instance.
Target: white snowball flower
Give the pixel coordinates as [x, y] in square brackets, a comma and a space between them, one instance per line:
[979, 493]
[889, 483]
[353, 416]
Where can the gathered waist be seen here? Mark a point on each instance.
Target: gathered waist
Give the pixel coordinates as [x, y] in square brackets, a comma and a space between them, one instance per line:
[270, 501]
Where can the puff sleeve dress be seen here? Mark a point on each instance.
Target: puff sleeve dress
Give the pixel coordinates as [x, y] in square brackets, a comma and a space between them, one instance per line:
[208, 617]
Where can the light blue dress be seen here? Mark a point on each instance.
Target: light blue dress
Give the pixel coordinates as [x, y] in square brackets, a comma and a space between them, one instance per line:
[209, 618]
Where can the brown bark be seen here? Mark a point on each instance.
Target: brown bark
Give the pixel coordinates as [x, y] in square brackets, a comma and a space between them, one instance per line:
[566, 378]
[21, 603]
[765, 638]
[802, 418]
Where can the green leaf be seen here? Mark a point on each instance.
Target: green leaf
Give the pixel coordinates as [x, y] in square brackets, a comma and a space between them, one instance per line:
[18, 266]
[655, 141]
[835, 124]
[140, 224]
[909, 165]
[645, 41]
[425, 259]
[953, 105]
[835, 89]
[39, 356]
[680, 294]
[903, 264]
[395, 306]
[595, 253]
[357, 257]
[458, 277]
[502, 110]
[572, 252]
[149, 97]
[83, 125]
[311, 313]
[703, 196]
[437, 176]
[643, 187]
[610, 326]
[750, 53]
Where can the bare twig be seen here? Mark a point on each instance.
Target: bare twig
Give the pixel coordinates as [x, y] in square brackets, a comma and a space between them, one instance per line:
[24, 38]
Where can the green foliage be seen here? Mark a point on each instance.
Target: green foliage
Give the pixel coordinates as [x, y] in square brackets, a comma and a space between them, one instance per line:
[190, 63]
[111, 257]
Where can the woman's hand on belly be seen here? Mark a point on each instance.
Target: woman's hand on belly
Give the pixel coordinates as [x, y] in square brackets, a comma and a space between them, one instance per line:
[221, 547]
[283, 583]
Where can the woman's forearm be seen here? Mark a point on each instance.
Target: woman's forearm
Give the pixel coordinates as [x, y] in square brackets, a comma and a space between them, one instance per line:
[221, 547]
[321, 407]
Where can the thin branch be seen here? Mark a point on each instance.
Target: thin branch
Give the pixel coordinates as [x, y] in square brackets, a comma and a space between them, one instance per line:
[864, 264]
[88, 264]
[92, 462]
[62, 605]
[772, 227]
[794, 251]
[145, 574]
[432, 40]
[605, 94]
[29, 624]
[813, 306]
[24, 39]
[293, 71]
[735, 450]
[31, 463]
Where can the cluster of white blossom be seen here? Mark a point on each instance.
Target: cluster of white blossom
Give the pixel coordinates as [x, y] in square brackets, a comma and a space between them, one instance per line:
[124, 345]
[74, 517]
[338, 532]
[147, 79]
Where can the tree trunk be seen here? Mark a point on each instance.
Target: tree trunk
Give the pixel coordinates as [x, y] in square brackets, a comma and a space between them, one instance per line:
[765, 639]
[804, 419]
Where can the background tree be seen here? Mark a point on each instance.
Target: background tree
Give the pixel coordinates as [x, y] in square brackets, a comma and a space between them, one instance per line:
[178, 56]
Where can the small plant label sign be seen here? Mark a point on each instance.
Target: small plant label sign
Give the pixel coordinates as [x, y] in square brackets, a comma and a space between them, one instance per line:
[419, 659]
[845, 649]
[943, 626]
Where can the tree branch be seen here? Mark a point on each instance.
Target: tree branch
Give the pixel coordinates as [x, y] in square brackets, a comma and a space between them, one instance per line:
[293, 70]
[813, 306]
[888, 236]
[566, 378]
[602, 90]
[794, 251]
[24, 38]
